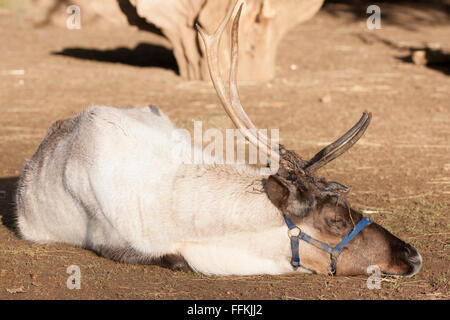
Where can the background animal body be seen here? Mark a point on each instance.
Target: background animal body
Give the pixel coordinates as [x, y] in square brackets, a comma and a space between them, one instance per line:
[407, 170]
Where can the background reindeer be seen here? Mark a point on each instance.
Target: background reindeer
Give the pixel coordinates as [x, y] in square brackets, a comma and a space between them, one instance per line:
[106, 181]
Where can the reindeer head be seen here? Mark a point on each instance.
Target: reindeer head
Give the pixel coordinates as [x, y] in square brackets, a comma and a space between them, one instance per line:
[339, 238]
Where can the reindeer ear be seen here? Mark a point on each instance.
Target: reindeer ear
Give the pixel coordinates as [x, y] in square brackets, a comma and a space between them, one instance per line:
[287, 198]
[279, 189]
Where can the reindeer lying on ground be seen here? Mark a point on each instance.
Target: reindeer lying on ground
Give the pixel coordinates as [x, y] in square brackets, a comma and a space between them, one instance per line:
[106, 180]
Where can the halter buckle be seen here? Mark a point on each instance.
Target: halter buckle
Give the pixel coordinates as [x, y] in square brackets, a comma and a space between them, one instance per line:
[294, 232]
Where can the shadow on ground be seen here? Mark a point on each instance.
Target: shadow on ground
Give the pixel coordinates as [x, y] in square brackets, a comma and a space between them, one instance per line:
[421, 54]
[433, 59]
[394, 12]
[143, 55]
[7, 190]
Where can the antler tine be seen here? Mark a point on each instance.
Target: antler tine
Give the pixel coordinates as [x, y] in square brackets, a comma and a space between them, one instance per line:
[339, 146]
[234, 92]
[230, 103]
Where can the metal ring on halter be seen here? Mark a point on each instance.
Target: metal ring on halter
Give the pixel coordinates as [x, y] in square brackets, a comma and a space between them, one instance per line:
[294, 232]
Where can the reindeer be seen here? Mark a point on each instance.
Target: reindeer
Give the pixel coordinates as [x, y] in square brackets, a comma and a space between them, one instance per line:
[106, 181]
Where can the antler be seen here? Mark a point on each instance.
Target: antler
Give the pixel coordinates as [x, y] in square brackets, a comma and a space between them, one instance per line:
[232, 103]
[335, 149]
[290, 161]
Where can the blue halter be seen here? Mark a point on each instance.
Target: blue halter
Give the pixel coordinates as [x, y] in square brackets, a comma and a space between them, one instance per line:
[333, 251]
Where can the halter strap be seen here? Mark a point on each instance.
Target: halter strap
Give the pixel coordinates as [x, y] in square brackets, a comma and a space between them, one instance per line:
[334, 252]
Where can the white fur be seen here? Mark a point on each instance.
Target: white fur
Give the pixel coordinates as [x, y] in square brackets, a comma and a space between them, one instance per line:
[113, 181]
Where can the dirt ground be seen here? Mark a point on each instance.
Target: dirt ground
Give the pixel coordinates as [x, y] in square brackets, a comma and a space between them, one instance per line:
[329, 70]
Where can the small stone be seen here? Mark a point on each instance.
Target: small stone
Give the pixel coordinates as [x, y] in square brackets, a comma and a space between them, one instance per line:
[419, 57]
[325, 99]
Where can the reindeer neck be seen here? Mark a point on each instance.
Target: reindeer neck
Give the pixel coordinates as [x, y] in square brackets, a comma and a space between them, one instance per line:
[212, 199]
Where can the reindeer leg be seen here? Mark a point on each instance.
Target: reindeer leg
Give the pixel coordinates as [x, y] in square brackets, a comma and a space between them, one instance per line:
[131, 256]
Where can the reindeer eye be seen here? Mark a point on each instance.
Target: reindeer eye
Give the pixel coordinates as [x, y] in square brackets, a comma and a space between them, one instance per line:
[340, 223]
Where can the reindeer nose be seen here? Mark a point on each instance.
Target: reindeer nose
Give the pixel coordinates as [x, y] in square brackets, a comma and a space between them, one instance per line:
[413, 259]
[409, 250]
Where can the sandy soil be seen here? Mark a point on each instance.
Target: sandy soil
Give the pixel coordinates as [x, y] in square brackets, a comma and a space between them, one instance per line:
[329, 71]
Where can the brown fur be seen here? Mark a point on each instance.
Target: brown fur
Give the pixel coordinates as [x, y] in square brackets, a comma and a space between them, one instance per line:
[333, 219]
